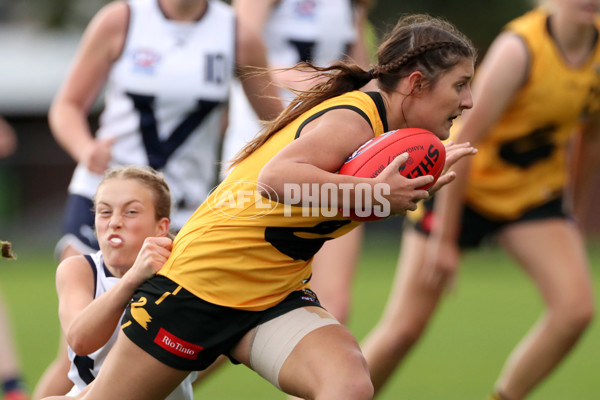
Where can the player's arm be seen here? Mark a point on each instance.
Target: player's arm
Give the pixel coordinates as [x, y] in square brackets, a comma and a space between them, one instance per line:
[502, 72]
[359, 51]
[89, 322]
[76, 290]
[262, 93]
[322, 148]
[100, 46]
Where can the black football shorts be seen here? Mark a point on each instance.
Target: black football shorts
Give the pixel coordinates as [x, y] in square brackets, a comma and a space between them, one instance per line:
[188, 333]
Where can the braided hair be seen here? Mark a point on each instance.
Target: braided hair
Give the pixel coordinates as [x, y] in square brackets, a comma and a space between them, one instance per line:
[418, 42]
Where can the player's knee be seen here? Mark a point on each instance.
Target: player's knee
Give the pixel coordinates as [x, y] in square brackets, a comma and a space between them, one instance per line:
[348, 386]
[581, 316]
[359, 388]
[576, 314]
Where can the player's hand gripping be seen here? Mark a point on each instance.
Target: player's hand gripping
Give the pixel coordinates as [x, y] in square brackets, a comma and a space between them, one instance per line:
[404, 193]
[96, 156]
[154, 253]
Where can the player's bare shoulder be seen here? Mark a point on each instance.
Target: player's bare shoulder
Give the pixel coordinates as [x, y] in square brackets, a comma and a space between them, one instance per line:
[74, 268]
[109, 27]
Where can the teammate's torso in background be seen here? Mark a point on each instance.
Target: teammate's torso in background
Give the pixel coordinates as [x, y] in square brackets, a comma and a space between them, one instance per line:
[522, 162]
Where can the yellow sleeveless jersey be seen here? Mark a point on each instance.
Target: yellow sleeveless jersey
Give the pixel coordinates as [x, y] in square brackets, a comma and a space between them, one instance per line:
[522, 162]
[243, 251]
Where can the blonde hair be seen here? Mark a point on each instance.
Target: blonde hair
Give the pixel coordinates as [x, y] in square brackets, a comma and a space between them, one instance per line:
[148, 177]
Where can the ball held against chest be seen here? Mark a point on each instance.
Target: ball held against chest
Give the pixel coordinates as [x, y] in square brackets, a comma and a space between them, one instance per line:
[427, 156]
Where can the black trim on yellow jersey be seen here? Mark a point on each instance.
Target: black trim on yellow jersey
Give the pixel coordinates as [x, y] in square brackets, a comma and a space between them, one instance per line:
[317, 115]
[378, 100]
[296, 242]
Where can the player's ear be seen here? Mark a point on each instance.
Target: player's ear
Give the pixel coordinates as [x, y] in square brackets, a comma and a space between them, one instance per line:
[416, 82]
[162, 227]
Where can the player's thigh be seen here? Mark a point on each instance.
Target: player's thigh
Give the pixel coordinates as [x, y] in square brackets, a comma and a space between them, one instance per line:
[552, 252]
[325, 357]
[300, 350]
[130, 373]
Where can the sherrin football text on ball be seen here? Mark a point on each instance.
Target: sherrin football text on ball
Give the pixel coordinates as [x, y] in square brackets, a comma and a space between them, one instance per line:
[427, 156]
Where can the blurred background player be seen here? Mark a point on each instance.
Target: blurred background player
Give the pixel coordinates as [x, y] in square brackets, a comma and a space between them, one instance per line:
[132, 207]
[536, 90]
[10, 368]
[166, 92]
[320, 32]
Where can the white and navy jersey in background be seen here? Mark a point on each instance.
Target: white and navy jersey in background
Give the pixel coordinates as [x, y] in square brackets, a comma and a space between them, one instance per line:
[164, 101]
[319, 31]
[84, 369]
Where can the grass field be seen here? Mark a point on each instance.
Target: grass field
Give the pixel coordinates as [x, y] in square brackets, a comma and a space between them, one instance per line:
[493, 305]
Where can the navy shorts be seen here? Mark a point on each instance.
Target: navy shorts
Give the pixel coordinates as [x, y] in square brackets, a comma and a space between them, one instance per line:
[475, 228]
[187, 333]
[78, 226]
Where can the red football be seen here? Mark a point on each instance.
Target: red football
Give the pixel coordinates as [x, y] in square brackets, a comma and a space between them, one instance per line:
[427, 156]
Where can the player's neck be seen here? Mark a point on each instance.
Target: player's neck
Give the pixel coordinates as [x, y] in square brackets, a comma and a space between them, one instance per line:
[576, 42]
[395, 116]
[184, 10]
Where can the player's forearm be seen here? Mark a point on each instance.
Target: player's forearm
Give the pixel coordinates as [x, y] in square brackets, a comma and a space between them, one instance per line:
[94, 326]
[263, 96]
[449, 204]
[71, 129]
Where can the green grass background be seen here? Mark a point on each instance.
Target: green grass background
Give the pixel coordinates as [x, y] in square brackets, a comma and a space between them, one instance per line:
[491, 308]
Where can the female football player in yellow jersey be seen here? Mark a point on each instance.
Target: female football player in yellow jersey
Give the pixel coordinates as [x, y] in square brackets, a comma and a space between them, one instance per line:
[537, 87]
[295, 31]
[166, 67]
[237, 280]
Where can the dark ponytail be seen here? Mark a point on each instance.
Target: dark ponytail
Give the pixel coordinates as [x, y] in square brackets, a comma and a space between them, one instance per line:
[337, 79]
